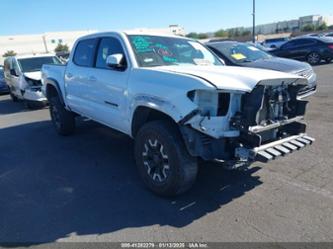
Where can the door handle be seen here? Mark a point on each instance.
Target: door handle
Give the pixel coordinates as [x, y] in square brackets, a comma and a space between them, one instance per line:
[92, 78]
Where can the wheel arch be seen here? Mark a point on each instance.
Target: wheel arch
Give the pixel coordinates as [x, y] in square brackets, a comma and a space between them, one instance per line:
[52, 89]
[143, 114]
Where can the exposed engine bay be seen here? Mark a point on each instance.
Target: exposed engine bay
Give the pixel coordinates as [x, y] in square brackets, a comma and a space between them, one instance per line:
[259, 123]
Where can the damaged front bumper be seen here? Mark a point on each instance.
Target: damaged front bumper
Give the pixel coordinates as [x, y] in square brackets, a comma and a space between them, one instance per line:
[34, 94]
[274, 149]
[258, 126]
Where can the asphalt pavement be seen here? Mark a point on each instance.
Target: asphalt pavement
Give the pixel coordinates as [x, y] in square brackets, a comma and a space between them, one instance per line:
[86, 187]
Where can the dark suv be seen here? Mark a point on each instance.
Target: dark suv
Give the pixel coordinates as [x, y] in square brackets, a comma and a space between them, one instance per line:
[311, 49]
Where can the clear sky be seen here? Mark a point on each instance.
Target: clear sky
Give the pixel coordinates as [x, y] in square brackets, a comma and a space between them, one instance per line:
[39, 16]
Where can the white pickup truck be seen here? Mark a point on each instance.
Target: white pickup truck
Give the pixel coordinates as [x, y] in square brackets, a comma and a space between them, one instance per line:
[179, 102]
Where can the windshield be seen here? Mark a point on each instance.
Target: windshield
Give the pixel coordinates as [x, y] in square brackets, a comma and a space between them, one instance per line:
[240, 53]
[35, 64]
[153, 51]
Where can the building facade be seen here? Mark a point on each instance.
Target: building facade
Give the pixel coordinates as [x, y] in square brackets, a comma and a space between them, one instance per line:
[291, 25]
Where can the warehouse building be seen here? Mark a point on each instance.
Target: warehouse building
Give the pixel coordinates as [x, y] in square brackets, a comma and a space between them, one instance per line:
[291, 25]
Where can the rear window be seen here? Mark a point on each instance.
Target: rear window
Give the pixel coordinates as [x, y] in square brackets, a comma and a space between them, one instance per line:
[84, 53]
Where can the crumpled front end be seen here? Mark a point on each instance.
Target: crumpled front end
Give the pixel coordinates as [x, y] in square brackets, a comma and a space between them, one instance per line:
[270, 123]
[244, 127]
[31, 90]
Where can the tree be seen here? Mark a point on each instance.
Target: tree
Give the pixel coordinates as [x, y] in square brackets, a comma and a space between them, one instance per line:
[61, 48]
[234, 32]
[322, 27]
[246, 33]
[9, 53]
[221, 33]
[308, 28]
[192, 35]
[202, 36]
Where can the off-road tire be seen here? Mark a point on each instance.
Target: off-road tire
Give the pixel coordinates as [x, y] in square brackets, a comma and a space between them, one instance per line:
[183, 168]
[62, 119]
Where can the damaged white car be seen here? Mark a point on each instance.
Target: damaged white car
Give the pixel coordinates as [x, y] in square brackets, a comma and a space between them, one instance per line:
[23, 76]
[179, 103]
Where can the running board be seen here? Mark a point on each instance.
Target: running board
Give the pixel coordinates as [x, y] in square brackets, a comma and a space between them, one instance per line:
[281, 147]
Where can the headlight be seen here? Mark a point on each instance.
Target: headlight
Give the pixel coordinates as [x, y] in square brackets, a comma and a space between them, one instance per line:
[211, 103]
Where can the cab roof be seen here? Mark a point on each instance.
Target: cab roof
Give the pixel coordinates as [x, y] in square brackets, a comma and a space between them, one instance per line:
[26, 56]
[133, 32]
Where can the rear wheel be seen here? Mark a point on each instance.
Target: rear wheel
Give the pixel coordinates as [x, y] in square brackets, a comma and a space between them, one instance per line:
[62, 119]
[162, 159]
[313, 58]
[328, 60]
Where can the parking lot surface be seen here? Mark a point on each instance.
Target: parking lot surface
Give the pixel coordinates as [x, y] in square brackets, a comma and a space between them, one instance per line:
[86, 188]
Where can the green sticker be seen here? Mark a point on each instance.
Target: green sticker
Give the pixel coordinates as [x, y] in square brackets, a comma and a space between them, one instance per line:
[142, 44]
[169, 59]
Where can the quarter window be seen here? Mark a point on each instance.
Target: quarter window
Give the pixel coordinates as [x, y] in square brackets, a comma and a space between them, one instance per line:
[84, 53]
[107, 47]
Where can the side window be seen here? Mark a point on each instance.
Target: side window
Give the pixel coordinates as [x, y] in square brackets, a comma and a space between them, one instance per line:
[308, 42]
[290, 44]
[84, 53]
[107, 47]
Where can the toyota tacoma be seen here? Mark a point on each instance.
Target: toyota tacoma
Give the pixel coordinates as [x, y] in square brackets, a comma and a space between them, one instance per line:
[179, 103]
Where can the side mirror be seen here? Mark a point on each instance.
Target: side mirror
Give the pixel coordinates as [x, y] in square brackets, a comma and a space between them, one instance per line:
[115, 61]
[13, 72]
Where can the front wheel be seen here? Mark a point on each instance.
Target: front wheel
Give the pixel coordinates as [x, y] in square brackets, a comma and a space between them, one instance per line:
[164, 164]
[313, 58]
[62, 119]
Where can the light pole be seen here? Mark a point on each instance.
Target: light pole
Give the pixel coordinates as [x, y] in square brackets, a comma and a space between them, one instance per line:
[254, 22]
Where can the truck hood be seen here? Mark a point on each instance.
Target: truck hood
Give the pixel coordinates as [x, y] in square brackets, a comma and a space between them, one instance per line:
[235, 78]
[34, 75]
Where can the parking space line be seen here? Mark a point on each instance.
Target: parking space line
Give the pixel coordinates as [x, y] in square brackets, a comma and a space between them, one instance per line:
[187, 206]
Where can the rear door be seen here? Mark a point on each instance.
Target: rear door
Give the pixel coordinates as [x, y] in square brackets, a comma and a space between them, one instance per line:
[79, 84]
[288, 49]
[304, 47]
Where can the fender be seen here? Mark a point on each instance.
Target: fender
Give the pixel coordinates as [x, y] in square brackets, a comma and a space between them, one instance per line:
[55, 84]
[158, 104]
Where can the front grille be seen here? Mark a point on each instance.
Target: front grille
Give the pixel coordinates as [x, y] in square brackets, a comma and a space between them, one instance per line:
[305, 73]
